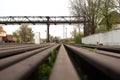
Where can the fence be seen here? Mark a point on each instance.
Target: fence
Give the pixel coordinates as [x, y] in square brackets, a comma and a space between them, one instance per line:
[106, 38]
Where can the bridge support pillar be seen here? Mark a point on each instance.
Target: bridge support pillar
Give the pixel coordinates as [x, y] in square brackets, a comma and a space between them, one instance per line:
[85, 29]
[48, 36]
[48, 25]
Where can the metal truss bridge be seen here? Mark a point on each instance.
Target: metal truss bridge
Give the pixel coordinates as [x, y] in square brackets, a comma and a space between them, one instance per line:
[48, 20]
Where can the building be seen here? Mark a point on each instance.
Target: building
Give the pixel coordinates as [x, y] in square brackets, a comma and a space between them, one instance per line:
[2, 33]
[37, 38]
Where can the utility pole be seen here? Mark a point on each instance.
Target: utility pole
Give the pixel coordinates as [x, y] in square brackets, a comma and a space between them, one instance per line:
[63, 31]
[66, 33]
[48, 24]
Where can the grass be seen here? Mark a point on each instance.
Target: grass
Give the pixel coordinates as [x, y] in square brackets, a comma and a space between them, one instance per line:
[82, 76]
[94, 50]
[43, 72]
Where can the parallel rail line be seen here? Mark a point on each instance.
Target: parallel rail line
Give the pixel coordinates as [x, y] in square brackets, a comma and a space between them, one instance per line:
[63, 68]
[9, 52]
[14, 59]
[108, 65]
[22, 69]
[106, 48]
[20, 65]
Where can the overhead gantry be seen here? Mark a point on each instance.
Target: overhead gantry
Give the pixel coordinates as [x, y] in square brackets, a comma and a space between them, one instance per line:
[48, 20]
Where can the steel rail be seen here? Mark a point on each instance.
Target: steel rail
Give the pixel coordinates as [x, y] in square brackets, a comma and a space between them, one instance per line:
[116, 55]
[7, 53]
[23, 69]
[108, 65]
[108, 53]
[106, 48]
[63, 68]
[5, 62]
[16, 46]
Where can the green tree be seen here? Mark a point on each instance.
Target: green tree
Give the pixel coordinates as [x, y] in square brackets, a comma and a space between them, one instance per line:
[24, 34]
[94, 11]
[17, 37]
[106, 7]
[113, 18]
[74, 32]
[76, 36]
[117, 5]
[90, 10]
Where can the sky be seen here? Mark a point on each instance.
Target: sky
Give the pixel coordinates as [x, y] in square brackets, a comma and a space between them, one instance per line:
[37, 8]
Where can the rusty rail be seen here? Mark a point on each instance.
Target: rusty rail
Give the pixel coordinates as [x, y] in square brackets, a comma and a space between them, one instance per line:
[107, 64]
[63, 68]
[9, 52]
[24, 68]
[5, 62]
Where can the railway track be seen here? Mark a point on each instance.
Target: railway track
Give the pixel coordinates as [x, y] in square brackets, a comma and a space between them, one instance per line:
[105, 48]
[13, 59]
[63, 68]
[21, 66]
[15, 46]
[72, 63]
[6, 45]
[6, 52]
[105, 64]
[108, 53]
[102, 50]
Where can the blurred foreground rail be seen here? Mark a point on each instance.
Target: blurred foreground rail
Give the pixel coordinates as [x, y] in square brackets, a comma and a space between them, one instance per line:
[105, 64]
[71, 63]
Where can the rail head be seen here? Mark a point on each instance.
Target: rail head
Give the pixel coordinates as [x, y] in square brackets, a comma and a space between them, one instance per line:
[23, 69]
[63, 68]
[6, 62]
[108, 65]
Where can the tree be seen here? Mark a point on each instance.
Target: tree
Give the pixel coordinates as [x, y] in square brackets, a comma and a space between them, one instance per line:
[17, 37]
[90, 10]
[106, 7]
[76, 35]
[54, 38]
[24, 33]
[74, 32]
[94, 11]
[113, 18]
[118, 5]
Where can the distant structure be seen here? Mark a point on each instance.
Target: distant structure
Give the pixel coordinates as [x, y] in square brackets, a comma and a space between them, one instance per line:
[8, 39]
[4, 37]
[37, 38]
[111, 37]
[2, 33]
[107, 38]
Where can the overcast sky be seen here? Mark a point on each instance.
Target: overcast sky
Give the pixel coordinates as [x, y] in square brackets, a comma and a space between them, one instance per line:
[37, 8]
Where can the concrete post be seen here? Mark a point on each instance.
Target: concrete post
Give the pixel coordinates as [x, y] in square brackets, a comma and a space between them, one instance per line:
[48, 24]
